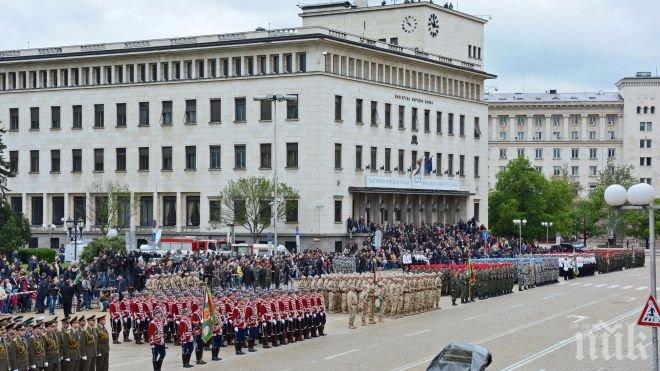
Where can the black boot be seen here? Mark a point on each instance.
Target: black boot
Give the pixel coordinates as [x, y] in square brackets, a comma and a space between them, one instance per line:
[265, 340]
[126, 339]
[137, 337]
[155, 364]
[186, 360]
[251, 346]
[237, 346]
[198, 356]
[321, 328]
[214, 354]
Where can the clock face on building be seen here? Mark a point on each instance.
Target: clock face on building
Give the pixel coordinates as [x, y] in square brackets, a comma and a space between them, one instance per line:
[434, 25]
[409, 24]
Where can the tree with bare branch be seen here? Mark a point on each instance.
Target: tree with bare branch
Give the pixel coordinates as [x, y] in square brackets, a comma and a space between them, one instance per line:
[248, 202]
[111, 205]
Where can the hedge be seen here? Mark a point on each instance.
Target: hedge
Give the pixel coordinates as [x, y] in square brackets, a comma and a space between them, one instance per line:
[42, 253]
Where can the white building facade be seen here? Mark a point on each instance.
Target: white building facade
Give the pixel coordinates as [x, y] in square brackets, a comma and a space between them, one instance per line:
[175, 120]
[577, 134]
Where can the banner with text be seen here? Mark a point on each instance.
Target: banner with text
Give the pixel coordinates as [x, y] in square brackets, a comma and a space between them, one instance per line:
[411, 183]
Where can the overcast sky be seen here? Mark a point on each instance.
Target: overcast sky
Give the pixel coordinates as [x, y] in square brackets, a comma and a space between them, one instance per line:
[537, 45]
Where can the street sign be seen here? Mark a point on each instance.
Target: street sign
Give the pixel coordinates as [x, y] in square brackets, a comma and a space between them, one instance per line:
[651, 314]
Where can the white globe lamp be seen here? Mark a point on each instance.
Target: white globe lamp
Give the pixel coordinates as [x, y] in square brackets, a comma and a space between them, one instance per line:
[641, 194]
[615, 195]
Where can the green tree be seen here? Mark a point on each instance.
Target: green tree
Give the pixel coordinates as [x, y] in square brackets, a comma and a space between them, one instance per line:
[111, 206]
[522, 192]
[14, 229]
[637, 223]
[586, 215]
[614, 221]
[96, 247]
[4, 166]
[247, 202]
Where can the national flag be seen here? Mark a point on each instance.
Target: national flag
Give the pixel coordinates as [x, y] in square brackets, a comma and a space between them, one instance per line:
[470, 271]
[418, 167]
[429, 165]
[208, 316]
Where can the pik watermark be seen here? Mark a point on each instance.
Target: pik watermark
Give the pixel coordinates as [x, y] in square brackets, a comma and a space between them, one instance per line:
[612, 341]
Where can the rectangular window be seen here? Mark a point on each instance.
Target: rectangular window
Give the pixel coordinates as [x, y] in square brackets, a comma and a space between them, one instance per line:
[239, 110]
[427, 121]
[413, 119]
[302, 62]
[166, 158]
[292, 109]
[291, 211]
[338, 216]
[593, 170]
[99, 116]
[13, 162]
[144, 114]
[502, 153]
[55, 117]
[388, 115]
[338, 107]
[13, 119]
[502, 135]
[34, 118]
[461, 165]
[358, 157]
[34, 161]
[37, 211]
[611, 153]
[121, 114]
[337, 156]
[438, 122]
[120, 154]
[265, 156]
[239, 156]
[191, 111]
[477, 129]
[292, 155]
[77, 117]
[169, 211]
[266, 110]
[556, 135]
[538, 135]
[214, 160]
[215, 211]
[575, 135]
[239, 211]
[374, 113]
[57, 203]
[146, 211]
[373, 159]
[592, 135]
[450, 164]
[521, 152]
[556, 153]
[450, 124]
[191, 158]
[645, 161]
[476, 166]
[461, 125]
[402, 115]
[388, 155]
[76, 163]
[399, 166]
[575, 170]
[166, 113]
[143, 158]
[98, 159]
[575, 153]
[358, 111]
[54, 160]
[556, 170]
[192, 211]
[593, 152]
[216, 116]
[79, 208]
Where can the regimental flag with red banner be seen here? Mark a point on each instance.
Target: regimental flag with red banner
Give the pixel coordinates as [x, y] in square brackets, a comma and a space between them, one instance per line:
[472, 274]
[208, 316]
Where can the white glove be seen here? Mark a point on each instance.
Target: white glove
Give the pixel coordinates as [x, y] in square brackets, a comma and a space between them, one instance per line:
[236, 329]
[68, 359]
[33, 366]
[98, 355]
[61, 358]
[84, 358]
[45, 364]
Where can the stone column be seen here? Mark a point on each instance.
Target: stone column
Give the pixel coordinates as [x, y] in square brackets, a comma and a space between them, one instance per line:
[66, 207]
[158, 71]
[88, 217]
[101, 75]
[46, 210]
[156, 209]
[180, 210]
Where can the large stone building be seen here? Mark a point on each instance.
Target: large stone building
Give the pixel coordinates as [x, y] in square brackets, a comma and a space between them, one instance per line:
[383, 91]
[578, 133]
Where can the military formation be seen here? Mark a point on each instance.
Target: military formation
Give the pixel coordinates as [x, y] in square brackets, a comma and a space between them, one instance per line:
[612, 261]
[172, 281]
[344, 264]
[387, 295]
[79, 344]
[272, 317]
[530, 271]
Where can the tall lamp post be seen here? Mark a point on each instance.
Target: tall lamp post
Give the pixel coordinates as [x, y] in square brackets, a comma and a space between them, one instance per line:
[640, 196]
[274, 98]
[520, 223]
[547, 226]
[75, 228]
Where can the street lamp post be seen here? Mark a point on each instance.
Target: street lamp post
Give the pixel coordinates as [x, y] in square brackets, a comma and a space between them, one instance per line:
[547, 226]
[520, 223]
[75, 227]
[274, 98]
[640, 196]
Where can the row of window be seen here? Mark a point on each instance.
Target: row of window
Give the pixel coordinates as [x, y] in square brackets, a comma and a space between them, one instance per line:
[556, 135]
[557, 170]
[375, 117]
[646, 109]
[556, 120]
[556, 153]
[144, 117]
[400, 76]
[167, 158]
[422, 162]
[153, 72]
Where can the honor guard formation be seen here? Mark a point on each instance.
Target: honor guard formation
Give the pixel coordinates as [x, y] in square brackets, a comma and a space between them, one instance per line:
[241, 318]
[78, 344]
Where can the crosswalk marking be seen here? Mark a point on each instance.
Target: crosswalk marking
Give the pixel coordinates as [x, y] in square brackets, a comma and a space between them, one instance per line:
[613, 286]
[626, 287]
[640, 288]
[588, 284]
[600, 285]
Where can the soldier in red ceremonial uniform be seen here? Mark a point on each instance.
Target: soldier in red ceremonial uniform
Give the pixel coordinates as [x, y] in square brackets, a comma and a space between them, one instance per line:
[185, 334]
[115, 318]
[298, 319]
[282, 304]
[264, 322]
[238, 318]
[306, 313]
[157, 339]
[320, 302]
[228, 326]
[136, 316]
[251, 319]
[125, 309]
[277, 320]
[196, 321]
